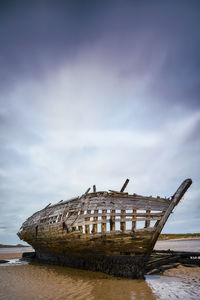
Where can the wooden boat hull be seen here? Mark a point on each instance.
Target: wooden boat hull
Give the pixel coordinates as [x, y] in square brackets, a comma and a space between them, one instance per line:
[116, 265]
[99, 232]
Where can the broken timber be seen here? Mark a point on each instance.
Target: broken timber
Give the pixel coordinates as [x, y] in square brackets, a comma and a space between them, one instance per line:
[125, 185]
[99, 230]
[161, 260]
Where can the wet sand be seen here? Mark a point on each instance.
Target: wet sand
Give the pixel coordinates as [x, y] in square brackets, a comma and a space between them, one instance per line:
[9, 253]
[179, 245]
[189, 274]
[38, 281]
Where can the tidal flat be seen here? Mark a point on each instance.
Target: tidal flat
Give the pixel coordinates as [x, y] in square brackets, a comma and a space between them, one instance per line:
[22, 280]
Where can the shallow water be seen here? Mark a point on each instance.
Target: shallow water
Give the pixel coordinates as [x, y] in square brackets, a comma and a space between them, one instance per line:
[38, 281]
[35, 281]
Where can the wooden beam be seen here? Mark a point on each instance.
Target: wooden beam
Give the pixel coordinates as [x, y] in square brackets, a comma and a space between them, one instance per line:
[47, 205]
[112, 222]
[134, 220]
[103, 225]
[94, 226]
[87, 191]
[122, 223]
[147, 222]
[125, 185]
[175, 200]
[116, 192]
[94, 188]
[87, 227]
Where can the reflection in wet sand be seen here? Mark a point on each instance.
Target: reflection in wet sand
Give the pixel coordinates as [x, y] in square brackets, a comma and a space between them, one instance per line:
[52, 282]
[36, 281]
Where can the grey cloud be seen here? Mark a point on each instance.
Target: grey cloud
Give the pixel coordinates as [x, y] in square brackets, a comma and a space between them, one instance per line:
[36, 35]
[93, 92]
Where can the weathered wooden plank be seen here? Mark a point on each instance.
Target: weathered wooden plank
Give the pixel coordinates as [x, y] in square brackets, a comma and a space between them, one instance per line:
[76, 200]
[126, 206]
[129, 214]
[109, 203]
[137, 243]
[118, 194]
[104, 221]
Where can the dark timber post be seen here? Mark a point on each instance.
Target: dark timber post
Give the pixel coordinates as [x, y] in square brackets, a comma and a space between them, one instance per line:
[124, 186]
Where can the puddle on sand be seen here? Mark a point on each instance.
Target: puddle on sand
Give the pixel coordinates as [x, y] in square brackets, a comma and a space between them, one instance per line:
[14, 262]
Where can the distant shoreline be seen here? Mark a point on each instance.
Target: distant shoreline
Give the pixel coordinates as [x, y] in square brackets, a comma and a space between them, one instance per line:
[13, 246]
[178, 236]
[179, 239]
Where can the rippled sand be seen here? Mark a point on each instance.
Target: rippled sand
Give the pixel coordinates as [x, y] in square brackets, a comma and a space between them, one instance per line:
[38, 281]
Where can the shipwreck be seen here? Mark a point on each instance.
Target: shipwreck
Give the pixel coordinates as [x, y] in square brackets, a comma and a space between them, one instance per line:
[109, 231]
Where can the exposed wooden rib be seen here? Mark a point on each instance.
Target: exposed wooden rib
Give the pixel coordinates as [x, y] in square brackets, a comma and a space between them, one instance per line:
[87, 222]
[94, 228]
[134, 219]
[125, 185]
[147, 222]
[122, 223]
[87, 191]
[103, 222]
[47, 205]
[112, 218]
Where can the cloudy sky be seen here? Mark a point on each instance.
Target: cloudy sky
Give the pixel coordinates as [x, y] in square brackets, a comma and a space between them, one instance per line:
[94, 92]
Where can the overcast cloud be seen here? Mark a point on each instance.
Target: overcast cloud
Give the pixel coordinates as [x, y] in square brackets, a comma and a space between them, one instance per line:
[94, 92]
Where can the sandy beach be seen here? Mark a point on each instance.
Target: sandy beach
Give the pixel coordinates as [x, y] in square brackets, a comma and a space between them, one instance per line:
[39, 281]
[9, 253]
[189, 274]
[188, 244]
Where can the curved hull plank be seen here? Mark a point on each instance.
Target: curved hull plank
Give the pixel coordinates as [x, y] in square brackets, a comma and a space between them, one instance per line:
[112, 232]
